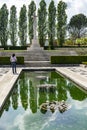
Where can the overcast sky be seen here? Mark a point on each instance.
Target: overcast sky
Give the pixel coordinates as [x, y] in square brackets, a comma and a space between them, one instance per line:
[73, 6]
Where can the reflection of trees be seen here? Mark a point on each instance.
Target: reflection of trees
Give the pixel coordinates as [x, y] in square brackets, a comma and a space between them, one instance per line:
[52, 94]
[7, 105]
[42, 98]
[24, 91]
[76, 93]
[52, 90]
[55, 75]
[61, 86]
[14, 97]
[1, 112]
[42, 93]
[33, 100]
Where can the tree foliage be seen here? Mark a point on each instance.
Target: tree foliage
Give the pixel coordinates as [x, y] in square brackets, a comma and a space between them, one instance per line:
[77, 26]
[13, 25]
[51, 22]
[81, 41]
[42, 22]
[62, 20]
[4, 25]
[23, 26]
[31, 12]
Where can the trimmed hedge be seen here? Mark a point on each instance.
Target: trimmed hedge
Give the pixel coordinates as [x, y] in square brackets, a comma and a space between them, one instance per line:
[6, 60]
[68, 59]
[56, 47]
[14, 47]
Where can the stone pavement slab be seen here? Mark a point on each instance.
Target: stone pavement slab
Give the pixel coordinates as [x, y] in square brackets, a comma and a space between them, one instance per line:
[77, 74]
[7, 81]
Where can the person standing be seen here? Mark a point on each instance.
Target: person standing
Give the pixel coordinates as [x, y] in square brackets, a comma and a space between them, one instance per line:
[13, 61]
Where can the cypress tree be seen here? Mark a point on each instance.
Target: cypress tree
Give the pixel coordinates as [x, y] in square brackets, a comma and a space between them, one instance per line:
[31, 12]
[42, 22]
[13, 26]
[51, 23]
[4, 25]
[23, 26]
[61, 25]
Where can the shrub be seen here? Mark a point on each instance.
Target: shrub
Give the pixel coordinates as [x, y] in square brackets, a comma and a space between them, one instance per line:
[68, 59]
[6, 60]
[14, 47]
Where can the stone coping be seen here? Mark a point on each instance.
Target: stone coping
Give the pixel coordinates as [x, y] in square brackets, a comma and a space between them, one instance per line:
[36, 61]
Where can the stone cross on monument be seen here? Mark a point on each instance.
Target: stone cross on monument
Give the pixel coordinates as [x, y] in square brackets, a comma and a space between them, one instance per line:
[35, 43]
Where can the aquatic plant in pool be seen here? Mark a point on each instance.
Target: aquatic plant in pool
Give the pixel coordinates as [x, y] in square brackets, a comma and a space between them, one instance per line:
[22, 110]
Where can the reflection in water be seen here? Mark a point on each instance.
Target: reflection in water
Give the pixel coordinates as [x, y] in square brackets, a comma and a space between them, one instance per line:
[61, 86]
[24, 91]
[76, 93]
[33, 100]
[55, 105]
[29, 96]
[8, 103]
[14, 97]
[62, 92]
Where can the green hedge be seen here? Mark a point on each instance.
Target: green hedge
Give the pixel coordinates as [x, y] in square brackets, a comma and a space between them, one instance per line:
[14, 47]
[68, 59]
[6, 60]
[56, 47]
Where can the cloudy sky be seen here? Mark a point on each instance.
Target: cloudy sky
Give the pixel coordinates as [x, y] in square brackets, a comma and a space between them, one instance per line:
[73, 6]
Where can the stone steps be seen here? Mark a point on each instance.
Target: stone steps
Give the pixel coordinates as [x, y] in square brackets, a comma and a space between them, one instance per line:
[36, 56]
[37, 63]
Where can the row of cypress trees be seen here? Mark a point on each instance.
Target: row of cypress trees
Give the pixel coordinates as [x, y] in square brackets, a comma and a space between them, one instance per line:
[51, 23]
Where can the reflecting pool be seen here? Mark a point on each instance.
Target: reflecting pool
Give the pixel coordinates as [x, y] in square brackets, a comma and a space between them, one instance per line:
[22, 110]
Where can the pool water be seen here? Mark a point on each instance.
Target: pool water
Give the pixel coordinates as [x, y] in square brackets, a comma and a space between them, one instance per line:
[22, 109]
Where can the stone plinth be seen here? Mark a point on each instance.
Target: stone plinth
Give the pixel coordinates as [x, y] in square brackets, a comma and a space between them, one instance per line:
[35, 45]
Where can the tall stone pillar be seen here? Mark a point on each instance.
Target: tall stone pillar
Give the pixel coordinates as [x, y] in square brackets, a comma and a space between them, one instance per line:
[35, 43]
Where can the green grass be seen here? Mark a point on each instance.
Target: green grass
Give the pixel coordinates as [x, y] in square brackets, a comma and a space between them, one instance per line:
[79, 51]
[12, 50]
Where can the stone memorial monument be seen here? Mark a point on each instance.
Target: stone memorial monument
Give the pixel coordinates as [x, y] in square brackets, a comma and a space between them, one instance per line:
[35, 43]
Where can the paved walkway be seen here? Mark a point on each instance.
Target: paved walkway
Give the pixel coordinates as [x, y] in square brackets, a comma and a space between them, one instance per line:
[7, 79]
[77, 74]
